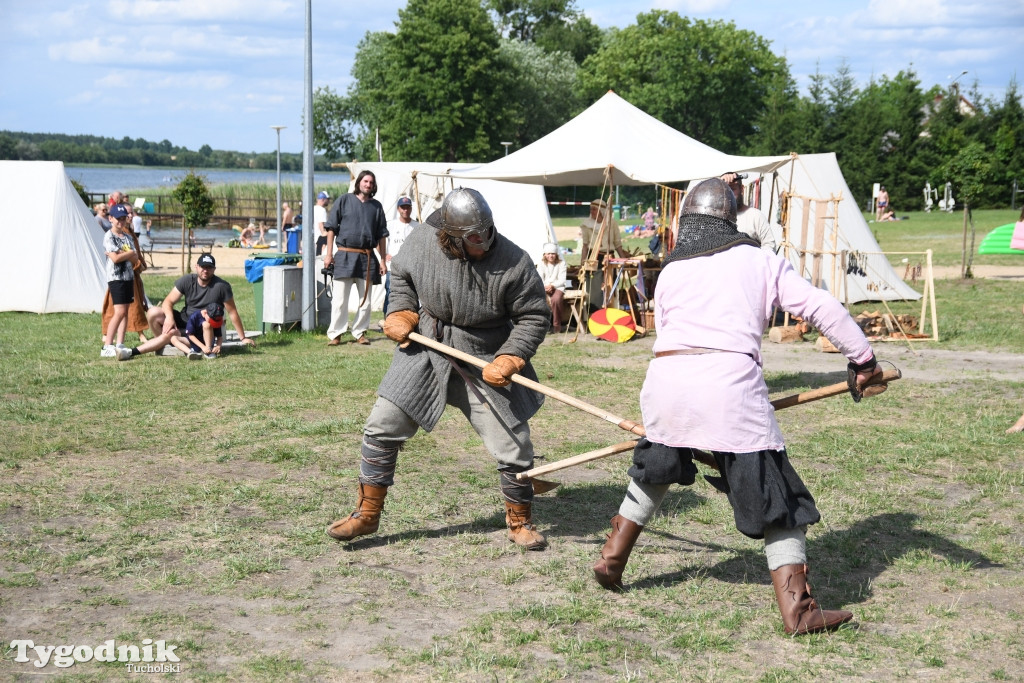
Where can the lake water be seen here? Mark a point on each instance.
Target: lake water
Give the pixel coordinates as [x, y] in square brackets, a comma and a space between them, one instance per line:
[106, 179]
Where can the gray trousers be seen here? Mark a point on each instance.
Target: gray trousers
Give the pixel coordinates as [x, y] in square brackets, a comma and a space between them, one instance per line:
[388, 427]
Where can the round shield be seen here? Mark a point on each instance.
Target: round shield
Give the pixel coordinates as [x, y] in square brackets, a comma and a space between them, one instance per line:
[612, 325]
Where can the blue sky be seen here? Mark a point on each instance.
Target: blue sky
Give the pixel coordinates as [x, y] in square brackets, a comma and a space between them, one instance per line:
[221, 72]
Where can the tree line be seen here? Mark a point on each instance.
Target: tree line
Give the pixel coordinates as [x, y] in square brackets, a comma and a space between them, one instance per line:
[92, 149]
[459, 77]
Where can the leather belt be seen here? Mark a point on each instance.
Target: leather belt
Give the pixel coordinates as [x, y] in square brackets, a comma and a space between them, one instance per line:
[369, 268]
[696, 351]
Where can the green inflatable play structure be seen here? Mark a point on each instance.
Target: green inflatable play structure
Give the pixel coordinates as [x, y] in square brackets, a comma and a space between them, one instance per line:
[998, 241]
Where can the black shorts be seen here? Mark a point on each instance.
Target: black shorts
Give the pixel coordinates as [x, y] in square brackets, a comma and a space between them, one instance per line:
[122, 292]
[179, 319]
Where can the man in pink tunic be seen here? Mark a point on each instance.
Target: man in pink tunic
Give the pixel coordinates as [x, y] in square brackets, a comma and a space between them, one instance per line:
[704, 391]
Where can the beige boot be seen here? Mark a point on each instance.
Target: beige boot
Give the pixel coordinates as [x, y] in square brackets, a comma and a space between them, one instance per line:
[366, 517]
[800, 612]
[521, 530]
[615, 553]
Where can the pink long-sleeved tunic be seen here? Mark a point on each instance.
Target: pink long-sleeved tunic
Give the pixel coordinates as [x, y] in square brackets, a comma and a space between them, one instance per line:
[719, 401]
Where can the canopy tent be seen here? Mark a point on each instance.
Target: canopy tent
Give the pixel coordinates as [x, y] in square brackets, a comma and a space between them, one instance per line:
[616, 143]
[809, 179]
[59, 264]
[613, 142]
[520, 211]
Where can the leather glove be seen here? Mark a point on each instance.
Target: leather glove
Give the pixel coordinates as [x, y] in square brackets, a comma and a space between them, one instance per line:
[498, 371]
[399, 324]
[857, 374]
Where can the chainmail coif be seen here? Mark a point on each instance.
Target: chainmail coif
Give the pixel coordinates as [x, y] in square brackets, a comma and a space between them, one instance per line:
[703, 235]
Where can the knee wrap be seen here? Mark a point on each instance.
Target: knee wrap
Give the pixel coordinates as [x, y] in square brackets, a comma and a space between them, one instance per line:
[513, 490]
[378, 460]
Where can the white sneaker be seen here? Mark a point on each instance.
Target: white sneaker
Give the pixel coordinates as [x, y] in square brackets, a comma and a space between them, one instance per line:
[123, 353]
[211, 356]
[194, 355]
[107, 351]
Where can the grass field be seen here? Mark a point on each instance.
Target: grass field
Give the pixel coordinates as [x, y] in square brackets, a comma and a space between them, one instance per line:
[185, 501]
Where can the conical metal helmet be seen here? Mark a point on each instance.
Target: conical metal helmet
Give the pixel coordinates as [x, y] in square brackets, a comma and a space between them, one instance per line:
[711, 197]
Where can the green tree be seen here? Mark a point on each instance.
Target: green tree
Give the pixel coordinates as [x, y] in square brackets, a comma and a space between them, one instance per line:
[1008, 144]
[436, 89]
[330, 132]
[707, 79]
[80, 190]
[776, 128]
[196, 208]
[554, 25]
[970, 171]
[542, 95]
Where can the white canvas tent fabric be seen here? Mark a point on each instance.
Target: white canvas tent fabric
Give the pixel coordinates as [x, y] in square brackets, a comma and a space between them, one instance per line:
[60, 266]
[520, 211]
[614, 138]
[818, 176]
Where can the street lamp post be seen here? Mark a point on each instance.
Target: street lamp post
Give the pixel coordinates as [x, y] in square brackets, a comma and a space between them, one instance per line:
[507, 145]
[954, 89]
[280, 228]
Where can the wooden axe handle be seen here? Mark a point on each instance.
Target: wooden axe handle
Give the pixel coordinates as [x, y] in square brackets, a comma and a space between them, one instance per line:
[576, 460]
[627, 425]
[778, 404]
[831, 390]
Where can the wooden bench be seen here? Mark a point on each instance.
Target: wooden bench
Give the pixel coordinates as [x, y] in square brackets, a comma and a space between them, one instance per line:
[173, 244]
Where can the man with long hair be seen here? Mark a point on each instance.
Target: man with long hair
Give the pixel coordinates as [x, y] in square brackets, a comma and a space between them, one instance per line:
[460, 282]
[355, 226]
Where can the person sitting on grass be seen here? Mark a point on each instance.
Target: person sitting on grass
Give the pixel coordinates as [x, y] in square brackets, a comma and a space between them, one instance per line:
[204, 332]
[198, 290]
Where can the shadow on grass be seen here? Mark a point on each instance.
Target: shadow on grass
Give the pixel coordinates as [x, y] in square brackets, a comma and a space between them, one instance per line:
[791, 381]
[572, 512]
[844, 564]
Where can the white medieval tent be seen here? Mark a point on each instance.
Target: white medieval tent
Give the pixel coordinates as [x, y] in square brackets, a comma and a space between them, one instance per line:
[828, 241]
[616, 143]
[520, 211]
[613, 142]
[60, 268]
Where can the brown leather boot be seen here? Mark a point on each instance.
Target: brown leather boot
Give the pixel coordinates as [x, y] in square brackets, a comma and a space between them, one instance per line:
[800, 612]
[521, 530]
[366, 517]
[615, 553]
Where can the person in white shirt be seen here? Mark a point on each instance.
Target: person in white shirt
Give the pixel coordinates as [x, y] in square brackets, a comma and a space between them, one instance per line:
[319, 217]
[552, 274]
[398, 229]
[750, 221]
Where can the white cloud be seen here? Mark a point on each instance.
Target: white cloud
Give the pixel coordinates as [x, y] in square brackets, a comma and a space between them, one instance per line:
[201, 10]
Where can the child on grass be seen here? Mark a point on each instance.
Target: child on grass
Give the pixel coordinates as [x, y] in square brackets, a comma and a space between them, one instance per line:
[121, 256]
[205, 333]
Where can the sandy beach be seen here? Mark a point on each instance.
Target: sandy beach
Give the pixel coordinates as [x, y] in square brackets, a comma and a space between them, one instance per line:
[229, 261]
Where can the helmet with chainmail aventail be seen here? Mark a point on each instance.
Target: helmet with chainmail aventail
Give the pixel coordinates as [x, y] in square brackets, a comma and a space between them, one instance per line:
[707, 222]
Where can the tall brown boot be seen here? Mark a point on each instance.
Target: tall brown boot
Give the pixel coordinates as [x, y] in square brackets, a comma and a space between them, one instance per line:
[521, 530]
[615, 553]
[366, 517]
[800, 612]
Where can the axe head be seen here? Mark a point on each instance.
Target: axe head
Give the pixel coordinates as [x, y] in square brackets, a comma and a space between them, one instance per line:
[541, 486]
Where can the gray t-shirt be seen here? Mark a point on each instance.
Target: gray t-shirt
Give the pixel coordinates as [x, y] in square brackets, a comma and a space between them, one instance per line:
[198, 297]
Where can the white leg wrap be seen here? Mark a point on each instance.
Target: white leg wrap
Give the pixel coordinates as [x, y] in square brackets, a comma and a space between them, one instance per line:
[785, 546]
[642, 501]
